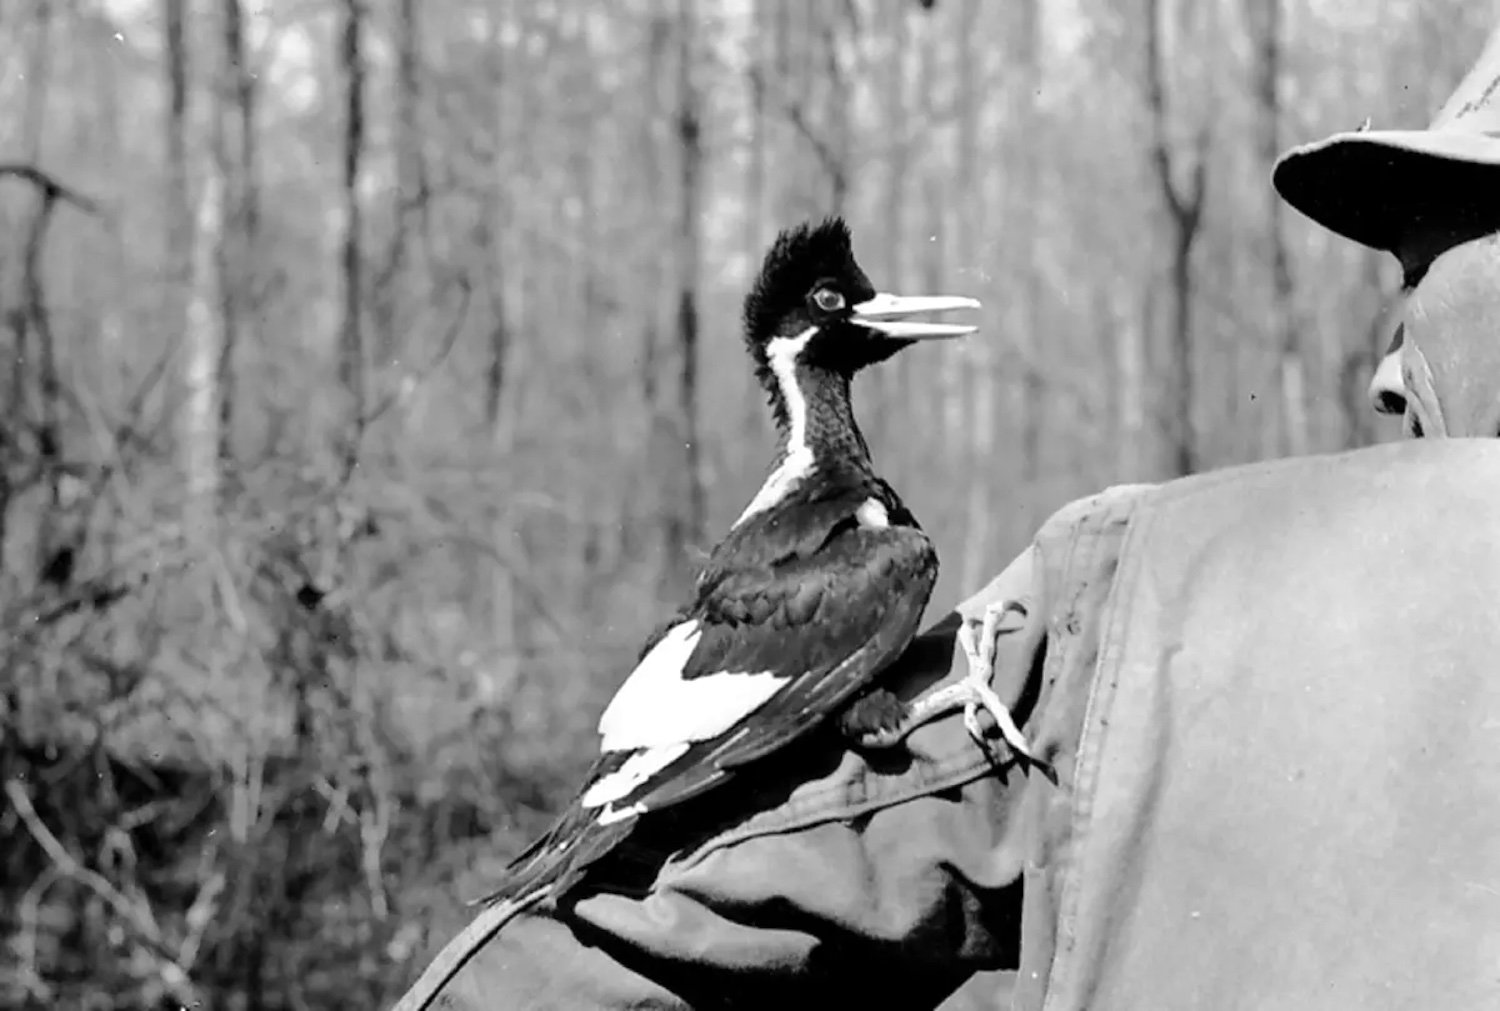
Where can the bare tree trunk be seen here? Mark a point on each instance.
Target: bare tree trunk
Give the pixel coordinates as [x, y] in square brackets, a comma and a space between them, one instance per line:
[38, 84]
[838, 140]
[203, 341]
[895, 125]
[946, 363]
[685, 519]
[1133, 360]
[59, 533]
[411, 169]
[1025, 231]
[246, 99]
[1264, 17]
[594, 314]
[351, 353]
[793, 30]
[241, 222]
[642, 528]
[16, 318]
[654, 279]
[31, 321]
[813, 98]
[179, 215]
[892, 382]
[980, 364]
[223, 226]
[506, 287]
[192, 248]
[496, 276]
[393, 286]
[757, 211]
[653, 285]
[1112, 451]
[1184, 205]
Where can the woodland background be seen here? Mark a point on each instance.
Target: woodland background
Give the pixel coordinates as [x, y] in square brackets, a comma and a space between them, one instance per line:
[372, 382]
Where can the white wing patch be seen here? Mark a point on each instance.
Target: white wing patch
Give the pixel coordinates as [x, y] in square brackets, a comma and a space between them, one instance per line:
[871, 513]
[664, 662]
[781, 353]
[638, 768]
[657, 708]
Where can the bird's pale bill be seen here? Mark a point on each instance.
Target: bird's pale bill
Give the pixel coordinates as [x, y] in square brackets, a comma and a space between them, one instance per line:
[882, 313]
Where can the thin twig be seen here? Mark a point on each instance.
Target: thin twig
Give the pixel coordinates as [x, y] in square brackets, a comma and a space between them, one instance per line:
[201, 913]
[793, 111]
[173, 974]
[26, 937]
[366, 419]
[445, 347]
[69, 866]
[50, 187]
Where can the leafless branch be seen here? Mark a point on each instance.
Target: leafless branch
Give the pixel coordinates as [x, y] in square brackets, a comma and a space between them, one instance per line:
[1186, 207]
[26, 937]
[445, 347]
[201, 913]
[50, 187]
[173, 974]
[792, 109]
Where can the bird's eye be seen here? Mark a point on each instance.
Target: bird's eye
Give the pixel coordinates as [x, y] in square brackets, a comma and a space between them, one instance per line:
[828, 300]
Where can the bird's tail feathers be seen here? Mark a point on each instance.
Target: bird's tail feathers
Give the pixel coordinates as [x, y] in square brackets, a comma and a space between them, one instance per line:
[544, 871]
[558, 858]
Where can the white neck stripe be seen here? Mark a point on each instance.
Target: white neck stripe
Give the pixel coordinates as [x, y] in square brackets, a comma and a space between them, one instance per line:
[781, 354]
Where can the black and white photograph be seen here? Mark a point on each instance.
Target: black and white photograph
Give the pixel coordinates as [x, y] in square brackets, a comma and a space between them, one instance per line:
[724, 505]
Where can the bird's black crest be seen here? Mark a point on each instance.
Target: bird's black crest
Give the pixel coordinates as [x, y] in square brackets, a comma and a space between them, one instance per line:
[798, 259]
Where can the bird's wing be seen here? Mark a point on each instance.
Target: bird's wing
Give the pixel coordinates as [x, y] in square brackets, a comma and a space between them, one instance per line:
[767, 653]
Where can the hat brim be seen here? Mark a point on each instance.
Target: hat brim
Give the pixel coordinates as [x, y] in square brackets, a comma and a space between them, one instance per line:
[1403, 191]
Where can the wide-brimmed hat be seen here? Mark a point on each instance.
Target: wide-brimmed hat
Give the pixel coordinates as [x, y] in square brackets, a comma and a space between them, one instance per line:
[1413, 193]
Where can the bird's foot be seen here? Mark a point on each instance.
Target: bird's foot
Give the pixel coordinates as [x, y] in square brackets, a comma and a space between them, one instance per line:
[978, 639]
[874, 723]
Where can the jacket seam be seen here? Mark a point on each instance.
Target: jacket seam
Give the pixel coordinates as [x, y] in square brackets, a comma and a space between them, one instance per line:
[1091, 743]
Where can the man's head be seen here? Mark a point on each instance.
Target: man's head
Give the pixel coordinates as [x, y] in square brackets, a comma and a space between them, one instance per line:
[1446, 374]
[1431, 198]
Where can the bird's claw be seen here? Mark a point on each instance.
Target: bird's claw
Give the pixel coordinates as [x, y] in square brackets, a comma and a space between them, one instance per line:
[971, 693]
[979, 648]
[971, 722]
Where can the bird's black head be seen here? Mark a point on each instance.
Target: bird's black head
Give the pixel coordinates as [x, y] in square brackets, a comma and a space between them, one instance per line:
[813, 303]
[808, 279]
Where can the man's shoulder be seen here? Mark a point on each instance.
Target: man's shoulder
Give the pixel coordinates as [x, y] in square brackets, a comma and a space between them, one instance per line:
[1286, 682]
[1392, 484]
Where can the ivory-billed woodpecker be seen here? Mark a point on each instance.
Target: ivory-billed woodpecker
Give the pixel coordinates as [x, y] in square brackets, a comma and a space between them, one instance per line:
[818, 586]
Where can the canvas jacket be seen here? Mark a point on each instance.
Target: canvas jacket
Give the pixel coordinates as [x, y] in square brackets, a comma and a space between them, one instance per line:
[1272, 696]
